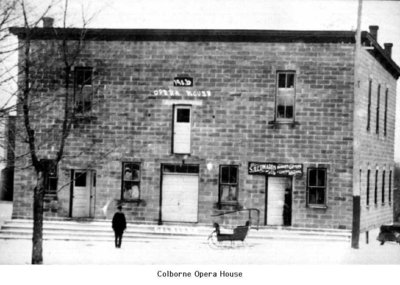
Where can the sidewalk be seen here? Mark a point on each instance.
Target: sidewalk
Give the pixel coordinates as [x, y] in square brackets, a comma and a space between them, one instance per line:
[186, 251]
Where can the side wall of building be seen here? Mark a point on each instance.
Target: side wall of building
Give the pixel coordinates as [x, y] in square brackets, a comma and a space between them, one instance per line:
[375, 146]
[396, 193]
[232, 113]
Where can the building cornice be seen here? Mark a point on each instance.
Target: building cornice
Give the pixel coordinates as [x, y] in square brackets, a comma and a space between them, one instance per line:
[187, 35]
[201, 35]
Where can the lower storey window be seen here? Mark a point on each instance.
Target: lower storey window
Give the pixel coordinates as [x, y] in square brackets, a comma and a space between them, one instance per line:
[228, 184]
[130, 181]
[316, 186]
[50, 176]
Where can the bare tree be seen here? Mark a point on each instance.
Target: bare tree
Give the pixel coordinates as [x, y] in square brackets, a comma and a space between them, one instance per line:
[62, 53]
[7, 18]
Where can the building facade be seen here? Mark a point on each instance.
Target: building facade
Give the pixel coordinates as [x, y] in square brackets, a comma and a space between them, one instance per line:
[179, 126]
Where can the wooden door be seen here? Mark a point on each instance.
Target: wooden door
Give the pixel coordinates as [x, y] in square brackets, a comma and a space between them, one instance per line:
[180, 197]
[83, 193]
[182, 129]
[276, 199]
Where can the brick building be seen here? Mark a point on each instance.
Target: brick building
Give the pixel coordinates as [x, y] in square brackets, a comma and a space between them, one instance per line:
[181, 125]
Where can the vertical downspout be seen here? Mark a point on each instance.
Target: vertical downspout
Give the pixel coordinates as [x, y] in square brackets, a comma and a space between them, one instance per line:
[355, 229]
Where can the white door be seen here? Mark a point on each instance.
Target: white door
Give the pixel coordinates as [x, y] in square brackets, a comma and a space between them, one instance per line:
[276, 199]
[182, 129]
[83, 194]
[180, 197]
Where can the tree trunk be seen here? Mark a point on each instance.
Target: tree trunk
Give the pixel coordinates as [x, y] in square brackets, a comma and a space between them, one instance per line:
[37, 237]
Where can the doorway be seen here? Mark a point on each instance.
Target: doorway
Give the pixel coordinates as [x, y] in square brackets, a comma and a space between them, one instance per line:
[182, 129]
[180, 191]
[83, 193]
[278, 205]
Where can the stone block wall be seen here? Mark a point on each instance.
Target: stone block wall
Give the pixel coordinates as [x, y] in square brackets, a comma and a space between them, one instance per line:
[375, 149]
[131, 121]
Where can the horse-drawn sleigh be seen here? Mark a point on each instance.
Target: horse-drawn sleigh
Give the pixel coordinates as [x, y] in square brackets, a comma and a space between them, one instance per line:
[218, 238]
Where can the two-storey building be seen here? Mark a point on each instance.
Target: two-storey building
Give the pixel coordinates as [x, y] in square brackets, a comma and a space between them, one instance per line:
[181, 125]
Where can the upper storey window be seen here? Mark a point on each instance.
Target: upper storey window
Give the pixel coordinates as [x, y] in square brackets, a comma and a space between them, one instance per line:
[385, 115]
[378, 104]
[285, 96]
[369, 105]
[83, 77]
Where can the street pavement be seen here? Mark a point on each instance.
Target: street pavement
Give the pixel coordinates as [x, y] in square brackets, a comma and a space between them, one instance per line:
[161, 261]
[197, 251]
[269, 261]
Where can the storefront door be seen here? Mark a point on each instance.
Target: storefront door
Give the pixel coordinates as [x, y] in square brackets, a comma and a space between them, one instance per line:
[276, 199]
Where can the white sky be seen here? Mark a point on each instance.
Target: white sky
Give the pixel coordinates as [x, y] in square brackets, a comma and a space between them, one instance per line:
[243, 14]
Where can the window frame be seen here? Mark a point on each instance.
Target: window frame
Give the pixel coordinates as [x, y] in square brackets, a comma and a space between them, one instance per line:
[317, 205]
[175, 109]
[286, 90]
[390, 187]
[378, 103]
[230, 184]
[376, 187]
[369, 104]
[83, 93]
[368, 186]
[134, 182]
[385, 114]
[77, 178]
[383, 187]
[46, 164]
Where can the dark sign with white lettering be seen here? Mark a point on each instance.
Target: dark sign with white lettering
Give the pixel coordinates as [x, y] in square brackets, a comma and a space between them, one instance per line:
[183, 81]
[274, 169]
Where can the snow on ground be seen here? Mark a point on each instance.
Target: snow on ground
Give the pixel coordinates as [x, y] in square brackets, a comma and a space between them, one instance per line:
[145, 260]
[192, 251]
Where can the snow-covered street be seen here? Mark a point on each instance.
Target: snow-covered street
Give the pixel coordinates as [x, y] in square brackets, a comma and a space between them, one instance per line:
[195, 251]
[167, 261]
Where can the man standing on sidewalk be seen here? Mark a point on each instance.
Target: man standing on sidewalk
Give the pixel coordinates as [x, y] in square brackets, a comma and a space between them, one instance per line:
[118, 225]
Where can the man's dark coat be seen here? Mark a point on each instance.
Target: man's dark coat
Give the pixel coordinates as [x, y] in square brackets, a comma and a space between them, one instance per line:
[119, 222]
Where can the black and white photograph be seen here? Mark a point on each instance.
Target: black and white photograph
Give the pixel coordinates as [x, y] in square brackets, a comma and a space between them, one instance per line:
[186, 141]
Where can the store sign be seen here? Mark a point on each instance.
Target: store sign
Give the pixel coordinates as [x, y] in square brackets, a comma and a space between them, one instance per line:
[274, 169]
[181, 93]
[183, 81]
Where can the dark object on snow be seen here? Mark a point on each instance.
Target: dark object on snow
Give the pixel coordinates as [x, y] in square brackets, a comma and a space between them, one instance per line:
[118, 225]
[239, 234]
[389, 233]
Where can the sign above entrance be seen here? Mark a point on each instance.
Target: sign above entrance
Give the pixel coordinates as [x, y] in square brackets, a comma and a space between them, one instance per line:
[183, 93]
[274, 169]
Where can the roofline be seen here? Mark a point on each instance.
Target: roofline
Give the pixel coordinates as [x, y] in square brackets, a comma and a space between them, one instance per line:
[187, 35]
[213, 35]
[380, 54]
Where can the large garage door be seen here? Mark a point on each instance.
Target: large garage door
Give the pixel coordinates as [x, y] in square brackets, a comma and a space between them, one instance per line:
[276, 198]
[180, 190]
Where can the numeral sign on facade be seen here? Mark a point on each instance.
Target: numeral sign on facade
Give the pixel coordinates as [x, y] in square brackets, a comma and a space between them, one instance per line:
[183, 81]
